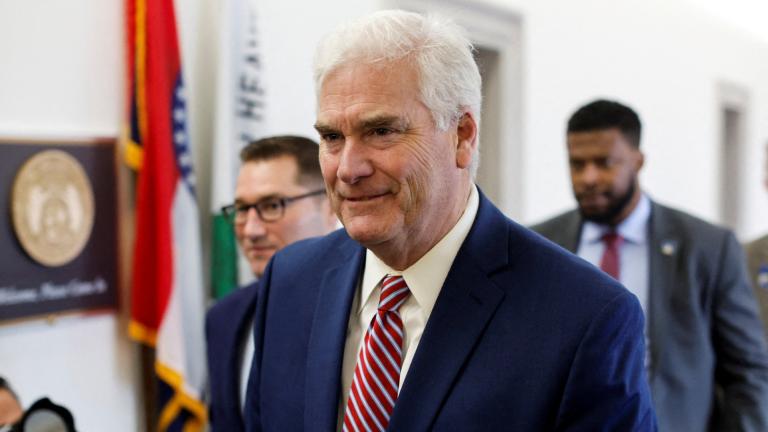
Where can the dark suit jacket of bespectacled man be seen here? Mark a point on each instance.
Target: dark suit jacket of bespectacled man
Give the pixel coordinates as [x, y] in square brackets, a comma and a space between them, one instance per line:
[279, 199]
[757, 261]
[707, 361]
[503, 330]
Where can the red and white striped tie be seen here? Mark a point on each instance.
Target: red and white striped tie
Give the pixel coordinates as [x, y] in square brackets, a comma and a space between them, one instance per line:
[377, 372]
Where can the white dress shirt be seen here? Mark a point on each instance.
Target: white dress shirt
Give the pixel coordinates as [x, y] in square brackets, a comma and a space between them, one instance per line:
[633, 252]
[245, 363]
[425, 279]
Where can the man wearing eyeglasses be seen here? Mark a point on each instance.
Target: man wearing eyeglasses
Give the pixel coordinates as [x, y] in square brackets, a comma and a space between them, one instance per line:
[279, 199]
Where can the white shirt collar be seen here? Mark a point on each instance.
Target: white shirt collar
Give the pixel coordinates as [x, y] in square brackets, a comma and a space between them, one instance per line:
[426, 276]
[633, 229]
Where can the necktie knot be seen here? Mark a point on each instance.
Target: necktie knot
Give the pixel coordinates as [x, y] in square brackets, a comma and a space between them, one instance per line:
[612, 239]
[394, 292]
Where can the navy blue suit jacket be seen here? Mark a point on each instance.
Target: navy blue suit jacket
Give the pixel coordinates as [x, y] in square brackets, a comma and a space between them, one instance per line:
[523, 336]
[226, 327]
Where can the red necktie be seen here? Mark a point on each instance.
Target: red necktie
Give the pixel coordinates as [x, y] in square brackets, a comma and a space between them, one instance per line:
[611, 262]
[377, 371]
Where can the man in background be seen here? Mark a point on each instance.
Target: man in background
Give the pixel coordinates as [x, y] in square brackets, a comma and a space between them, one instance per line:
[279, 199]
[430, 310]
[757, 259]
[705, 337]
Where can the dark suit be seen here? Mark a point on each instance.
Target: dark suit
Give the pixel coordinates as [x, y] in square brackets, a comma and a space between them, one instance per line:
[703, 324]
[522, 337]
[757, 260]
[226, 327]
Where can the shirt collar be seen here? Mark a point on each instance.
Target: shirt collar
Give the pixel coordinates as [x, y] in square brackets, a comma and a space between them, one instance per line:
[633, 229]
[426, 276]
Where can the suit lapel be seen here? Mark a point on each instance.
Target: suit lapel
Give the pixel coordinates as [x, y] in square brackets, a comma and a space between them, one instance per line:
[325, 350]
[564, 230]
[571, 232]
[463, 308]
[664, 255]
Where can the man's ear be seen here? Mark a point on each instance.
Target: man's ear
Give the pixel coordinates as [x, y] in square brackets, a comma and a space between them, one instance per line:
[640, 162]
[466, 139]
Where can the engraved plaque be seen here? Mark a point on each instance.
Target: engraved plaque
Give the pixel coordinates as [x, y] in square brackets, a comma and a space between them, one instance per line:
[52, 207]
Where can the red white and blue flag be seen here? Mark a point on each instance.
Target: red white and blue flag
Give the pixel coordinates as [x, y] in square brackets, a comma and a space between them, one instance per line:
[167, 305]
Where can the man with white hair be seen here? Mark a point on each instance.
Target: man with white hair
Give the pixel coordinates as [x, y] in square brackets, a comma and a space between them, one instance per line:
[430, 310]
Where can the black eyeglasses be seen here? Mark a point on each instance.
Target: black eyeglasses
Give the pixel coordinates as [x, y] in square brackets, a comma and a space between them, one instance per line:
[269, 209]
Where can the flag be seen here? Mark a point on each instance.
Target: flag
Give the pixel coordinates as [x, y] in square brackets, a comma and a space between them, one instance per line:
[239, 120]
[167, 292]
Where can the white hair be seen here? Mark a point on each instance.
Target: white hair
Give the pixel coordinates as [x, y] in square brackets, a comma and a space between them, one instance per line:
[449, 79]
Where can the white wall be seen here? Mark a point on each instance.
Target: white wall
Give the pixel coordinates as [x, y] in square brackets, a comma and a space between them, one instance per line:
[82, 362]
[62, 75]
[62, 67]
[664, 58]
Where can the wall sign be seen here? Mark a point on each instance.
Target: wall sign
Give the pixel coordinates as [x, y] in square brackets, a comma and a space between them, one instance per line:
[58, 231]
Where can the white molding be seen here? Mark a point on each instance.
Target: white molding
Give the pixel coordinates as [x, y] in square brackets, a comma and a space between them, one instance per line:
[500, 30]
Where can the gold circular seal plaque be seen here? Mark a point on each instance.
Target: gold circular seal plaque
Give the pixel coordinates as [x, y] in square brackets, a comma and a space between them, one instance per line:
[52, 207]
